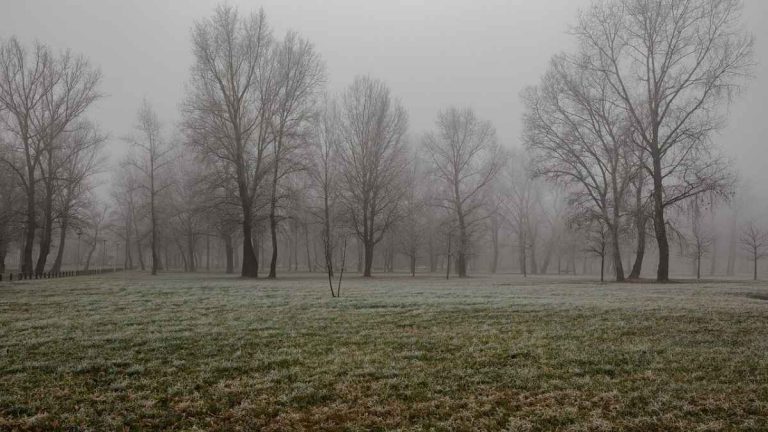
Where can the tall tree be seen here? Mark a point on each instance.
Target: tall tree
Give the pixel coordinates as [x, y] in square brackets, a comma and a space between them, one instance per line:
[79, 161]
[372, 160]
[72, 87]
[23, 86]
[151, 159]
[227, 110]
[297, 77]
[466, 158]
[671, 65]
[323, 163]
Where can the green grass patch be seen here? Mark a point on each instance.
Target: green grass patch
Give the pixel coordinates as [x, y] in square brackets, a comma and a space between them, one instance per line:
[207, 352]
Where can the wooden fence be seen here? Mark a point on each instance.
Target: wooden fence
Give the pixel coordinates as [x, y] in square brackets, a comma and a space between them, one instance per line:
[11, 277]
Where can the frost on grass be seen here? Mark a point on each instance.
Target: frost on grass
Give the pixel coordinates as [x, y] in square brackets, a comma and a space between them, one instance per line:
[505, 353]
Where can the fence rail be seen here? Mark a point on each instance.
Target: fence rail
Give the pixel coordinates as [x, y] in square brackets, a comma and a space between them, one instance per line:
[11, 277]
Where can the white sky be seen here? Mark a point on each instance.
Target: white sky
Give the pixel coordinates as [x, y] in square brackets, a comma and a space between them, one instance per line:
[432, 53]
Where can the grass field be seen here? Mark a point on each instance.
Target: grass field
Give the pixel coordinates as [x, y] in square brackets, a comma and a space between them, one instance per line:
[207, 352]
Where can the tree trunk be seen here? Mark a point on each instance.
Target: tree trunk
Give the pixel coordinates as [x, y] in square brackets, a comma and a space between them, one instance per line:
[602, 267]
[495, 249]
[229, 251]
[62, 239]
[273, 235]
[755, 268]
[3, 248]
[47, 235]
[29, 233]
[618, 266]
[461, 260]
[731, 267]
[662, 273]
[250, 262]
[368, 252]
[191, 251]
[522, 249]
[698, 265]
[308, 244]
[640, 225]
[90, 255]
[207, 253]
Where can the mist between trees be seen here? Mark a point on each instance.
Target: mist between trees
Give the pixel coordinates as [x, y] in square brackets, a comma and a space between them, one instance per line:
[619, 171]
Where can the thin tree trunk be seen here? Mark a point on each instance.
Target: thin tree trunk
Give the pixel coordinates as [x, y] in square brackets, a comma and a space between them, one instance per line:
[308, 244]
[229, 251]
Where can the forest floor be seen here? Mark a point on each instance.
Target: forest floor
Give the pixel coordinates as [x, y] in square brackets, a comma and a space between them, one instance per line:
[208, 352]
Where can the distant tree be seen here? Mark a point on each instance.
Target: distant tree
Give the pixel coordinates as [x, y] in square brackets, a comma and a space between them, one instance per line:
[94, 220]
[372, 160]
[522, 195]
[700, 242]
[411, 232]
[754, 241]
[323, 169]
[151, 160]
[465, 158]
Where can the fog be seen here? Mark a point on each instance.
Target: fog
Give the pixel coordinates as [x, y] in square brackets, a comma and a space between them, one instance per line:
[432, 54]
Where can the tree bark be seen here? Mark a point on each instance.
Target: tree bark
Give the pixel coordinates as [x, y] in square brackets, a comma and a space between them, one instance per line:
[47, 234]
[250, 262]
[62, 239]
[637, 268]
[662, 273]
[3, 248]
[368, 252]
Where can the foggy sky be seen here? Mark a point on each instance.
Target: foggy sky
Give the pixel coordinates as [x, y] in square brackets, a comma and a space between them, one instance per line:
[431, 53]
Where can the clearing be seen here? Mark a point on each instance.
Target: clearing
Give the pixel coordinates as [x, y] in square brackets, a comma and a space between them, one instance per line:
[209, 352]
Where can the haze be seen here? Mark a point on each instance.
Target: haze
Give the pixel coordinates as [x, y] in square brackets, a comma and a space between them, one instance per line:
[431, 53]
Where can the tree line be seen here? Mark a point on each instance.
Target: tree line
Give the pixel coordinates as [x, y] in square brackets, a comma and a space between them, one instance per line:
[618, 143]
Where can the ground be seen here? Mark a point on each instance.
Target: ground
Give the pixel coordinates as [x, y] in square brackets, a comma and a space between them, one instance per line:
[208, 352]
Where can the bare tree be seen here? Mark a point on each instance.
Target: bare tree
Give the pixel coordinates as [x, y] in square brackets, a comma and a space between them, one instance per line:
[72, 87]
[754, 241]
[227, 111]
[150, 160]
[11, 210]
[700, 242]
[411, 232]
[297, 76]
[323, 171]
[372, 160]
[580, 139]
[522, 193]
[670, 65]
[95, 217]
[79, 161]
[23, 85]
[465, 158]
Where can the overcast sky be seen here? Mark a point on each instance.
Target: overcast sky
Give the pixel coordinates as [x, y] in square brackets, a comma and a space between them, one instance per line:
[431, 53]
